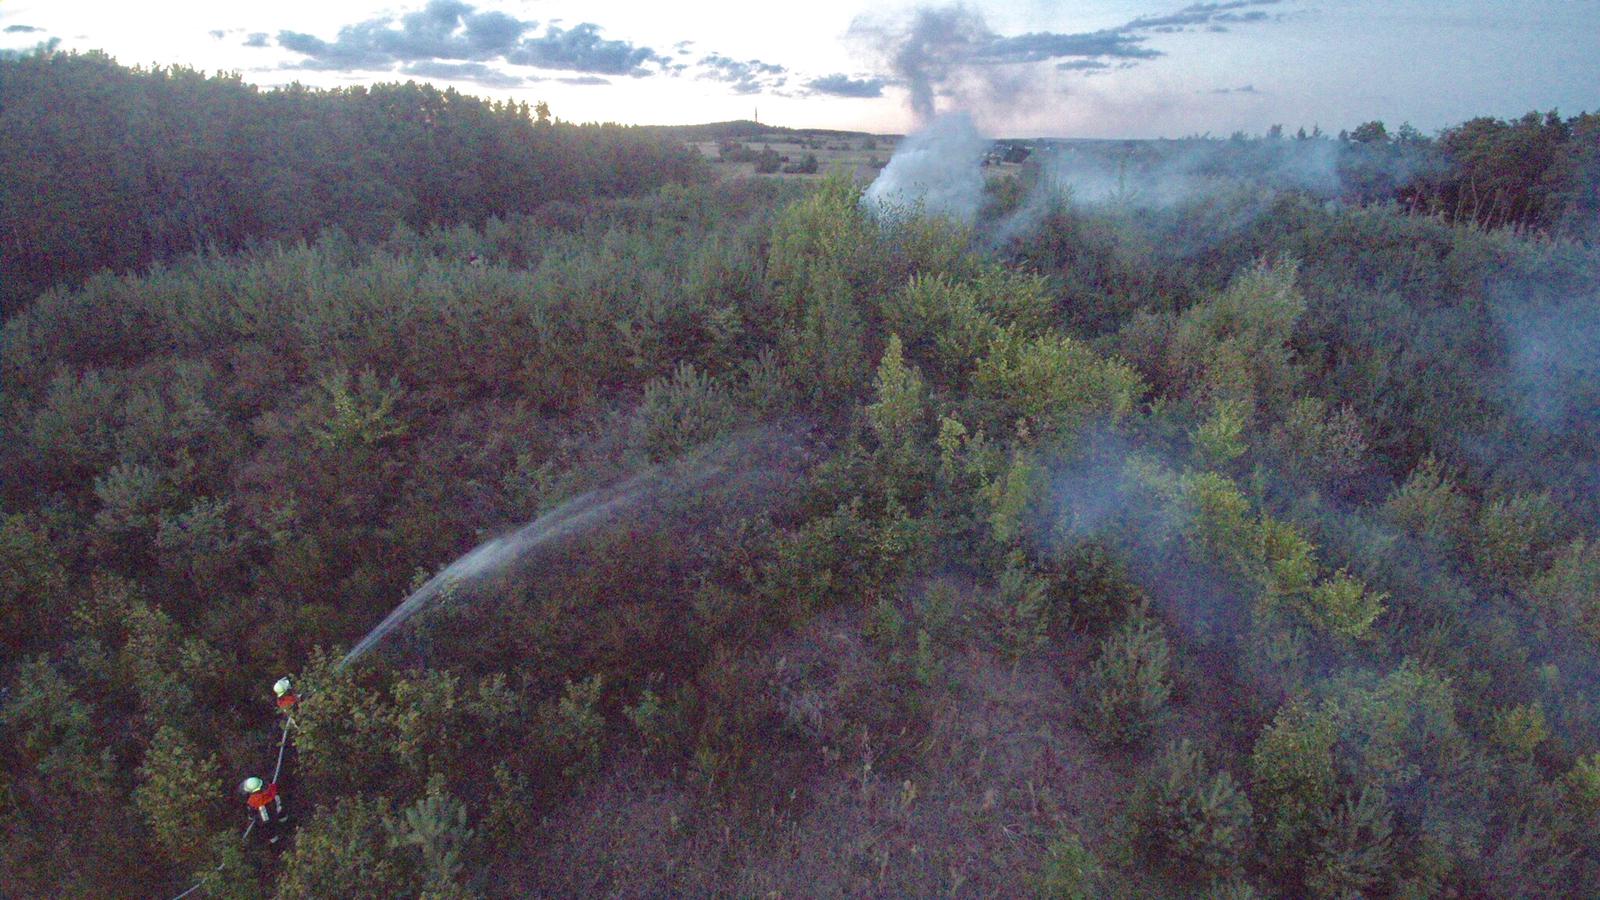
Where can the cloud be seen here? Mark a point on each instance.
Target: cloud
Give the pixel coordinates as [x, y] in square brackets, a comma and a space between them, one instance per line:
[256, 39]
[584, 80]
[840, 85]
[472, 72]
[452, 32]
[581, 49]
[939, 50]
[1212, 15]
[1242, 89]
[217, 33]
[22, 29]
[751, 76]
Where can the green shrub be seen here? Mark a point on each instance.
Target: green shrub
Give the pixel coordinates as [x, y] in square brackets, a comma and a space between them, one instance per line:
[357, 415]
[1125, 693]
[177, 792]
[579, 726]
[1190, 821]
[436, 828]
[1512, 536]
[1292, 779]
[682, 412]
[1429, 505]
[1070, 871]
[1354, 852]
[1219, 440]
[345, 852]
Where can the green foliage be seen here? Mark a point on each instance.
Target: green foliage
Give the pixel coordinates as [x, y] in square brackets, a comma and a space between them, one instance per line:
[1343, 605]
[1219, 522]
[342, 727]
[357, 415]
[683, 412]
[1024, 607]
[1009, 496]
[32, 578]
[1429, 504]
[177, 790]
[71, 431]
[132, 497]
[1192, 822]
[436, 828]
[1354, 852]
[1235, 345]
[1292, 778]
[1582, 786]
[345, 852]
[1220, 438]
[1056, 384]
[942, 322]
[1570, 589]
[1394, 729]
[1070, 871]
[578, 728]
[1324, 446]
[55, 730]
[1125, 692]
[814, 247]
[898, 417]
[1519, 730]
[1512, 536]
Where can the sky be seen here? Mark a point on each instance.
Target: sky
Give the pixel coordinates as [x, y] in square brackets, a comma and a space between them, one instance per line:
[1020, 68]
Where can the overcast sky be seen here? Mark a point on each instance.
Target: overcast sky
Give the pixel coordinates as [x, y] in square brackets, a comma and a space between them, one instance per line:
[1092, 68]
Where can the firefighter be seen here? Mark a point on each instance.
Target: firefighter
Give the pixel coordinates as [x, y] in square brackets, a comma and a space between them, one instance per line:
[283, 689]
[265, 801]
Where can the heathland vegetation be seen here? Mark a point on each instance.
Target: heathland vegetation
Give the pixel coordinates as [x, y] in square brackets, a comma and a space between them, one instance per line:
[1238, 544]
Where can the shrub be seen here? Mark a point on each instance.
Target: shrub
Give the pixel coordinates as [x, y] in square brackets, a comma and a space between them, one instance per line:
[1127, 687]
[177, 789]
[1070, 871]
[345, 852]
[1354, 851]
[1429, 505]
[1054, 381]
[1219, 440]
[1196, 823]
[1292, 778]
[436, 828]
[357, 415]
[1512, 535]
[578, 727]
[683, 412]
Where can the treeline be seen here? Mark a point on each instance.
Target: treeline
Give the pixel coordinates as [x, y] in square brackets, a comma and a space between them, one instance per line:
[104, 166]
[1539, 172]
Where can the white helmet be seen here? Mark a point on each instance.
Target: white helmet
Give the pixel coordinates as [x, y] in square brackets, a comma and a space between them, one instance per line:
[251, 785]
[282, 686]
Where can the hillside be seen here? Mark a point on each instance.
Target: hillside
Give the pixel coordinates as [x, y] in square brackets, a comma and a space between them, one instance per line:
[1218, 533]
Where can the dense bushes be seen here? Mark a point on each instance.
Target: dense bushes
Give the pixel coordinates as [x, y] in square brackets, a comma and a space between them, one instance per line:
[1166, 574]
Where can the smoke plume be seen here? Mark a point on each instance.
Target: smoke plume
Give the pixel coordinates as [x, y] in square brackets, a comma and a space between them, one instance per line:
[938, 169]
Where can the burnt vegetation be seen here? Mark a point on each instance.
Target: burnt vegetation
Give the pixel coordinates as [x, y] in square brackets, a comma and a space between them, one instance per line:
[1229, 547]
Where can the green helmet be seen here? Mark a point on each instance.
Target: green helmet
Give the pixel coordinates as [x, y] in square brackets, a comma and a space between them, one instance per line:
[282, 686]
[251, 785]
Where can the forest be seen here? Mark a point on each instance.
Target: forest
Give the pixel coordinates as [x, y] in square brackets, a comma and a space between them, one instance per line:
[1238, 543]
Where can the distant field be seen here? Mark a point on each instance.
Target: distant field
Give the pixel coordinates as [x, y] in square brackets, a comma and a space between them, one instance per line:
[862, 155]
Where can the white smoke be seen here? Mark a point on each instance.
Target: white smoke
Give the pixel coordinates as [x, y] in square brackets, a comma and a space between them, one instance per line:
[938, 170]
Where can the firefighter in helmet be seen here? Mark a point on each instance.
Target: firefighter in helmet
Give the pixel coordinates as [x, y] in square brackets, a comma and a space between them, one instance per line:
[265, 803]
